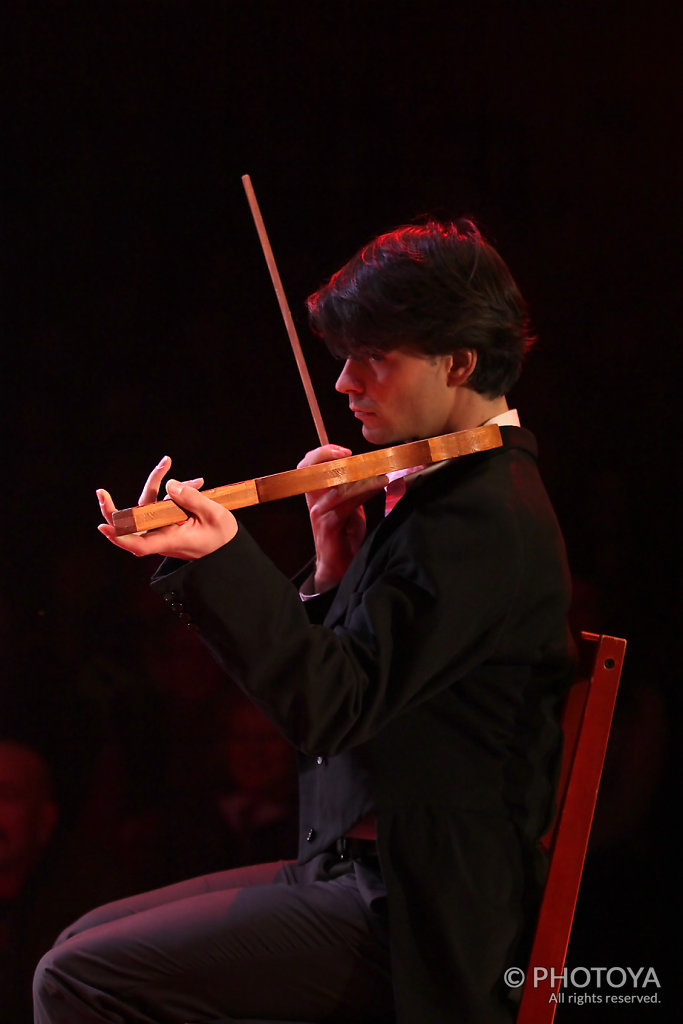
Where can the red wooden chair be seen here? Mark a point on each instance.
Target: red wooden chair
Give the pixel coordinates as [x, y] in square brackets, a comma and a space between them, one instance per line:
[586, 722]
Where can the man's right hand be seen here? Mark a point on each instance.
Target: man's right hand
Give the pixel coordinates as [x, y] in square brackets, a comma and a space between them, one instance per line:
[337, 518]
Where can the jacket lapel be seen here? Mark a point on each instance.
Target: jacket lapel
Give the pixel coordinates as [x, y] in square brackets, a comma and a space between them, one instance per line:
[443, 478]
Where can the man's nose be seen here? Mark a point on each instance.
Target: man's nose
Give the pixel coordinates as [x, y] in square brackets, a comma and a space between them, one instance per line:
[348, 379]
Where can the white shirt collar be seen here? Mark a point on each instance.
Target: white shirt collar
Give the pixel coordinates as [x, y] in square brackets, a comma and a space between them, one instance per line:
[509, 418]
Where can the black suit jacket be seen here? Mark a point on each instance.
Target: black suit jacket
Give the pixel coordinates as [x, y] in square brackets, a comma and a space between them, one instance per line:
[426, 688]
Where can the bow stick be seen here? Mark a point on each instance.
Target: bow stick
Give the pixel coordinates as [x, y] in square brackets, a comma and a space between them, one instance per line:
[316, 477]
[284, 309]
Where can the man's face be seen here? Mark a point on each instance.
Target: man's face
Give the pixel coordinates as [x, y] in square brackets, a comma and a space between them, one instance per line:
[27, 813]
[399, 395]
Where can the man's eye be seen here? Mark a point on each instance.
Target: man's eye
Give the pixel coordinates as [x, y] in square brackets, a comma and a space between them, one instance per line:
[376, 357]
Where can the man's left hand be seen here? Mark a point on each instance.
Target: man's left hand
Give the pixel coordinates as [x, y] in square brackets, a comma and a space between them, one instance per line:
[208, 527]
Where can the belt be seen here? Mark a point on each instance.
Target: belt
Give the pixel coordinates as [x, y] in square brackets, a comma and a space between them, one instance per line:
[351, 848]
[360, 841]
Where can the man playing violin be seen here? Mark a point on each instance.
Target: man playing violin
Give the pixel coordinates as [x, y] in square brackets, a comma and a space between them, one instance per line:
[418, 672]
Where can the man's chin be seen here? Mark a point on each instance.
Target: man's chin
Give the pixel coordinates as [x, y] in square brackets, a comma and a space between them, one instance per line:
[376, 435]
[384, 437]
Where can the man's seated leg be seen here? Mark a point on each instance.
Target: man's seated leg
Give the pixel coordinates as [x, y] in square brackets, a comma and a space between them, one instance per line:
[264, 942]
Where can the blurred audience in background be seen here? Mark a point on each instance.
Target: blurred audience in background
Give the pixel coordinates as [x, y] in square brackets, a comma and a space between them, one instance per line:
[127, 761]
[28, 816]
[48, 873]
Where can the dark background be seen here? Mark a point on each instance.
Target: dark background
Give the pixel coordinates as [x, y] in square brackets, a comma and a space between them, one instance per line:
[140, 318]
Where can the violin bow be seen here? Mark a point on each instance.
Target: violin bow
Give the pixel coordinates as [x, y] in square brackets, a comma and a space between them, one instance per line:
[284, 309]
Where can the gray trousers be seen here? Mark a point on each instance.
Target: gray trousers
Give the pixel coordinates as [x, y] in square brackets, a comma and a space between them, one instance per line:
[275, 942]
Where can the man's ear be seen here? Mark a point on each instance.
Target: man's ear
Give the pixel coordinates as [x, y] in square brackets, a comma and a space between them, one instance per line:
[464, 361]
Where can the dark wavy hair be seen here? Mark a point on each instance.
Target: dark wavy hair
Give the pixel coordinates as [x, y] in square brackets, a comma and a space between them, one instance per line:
[433, 288]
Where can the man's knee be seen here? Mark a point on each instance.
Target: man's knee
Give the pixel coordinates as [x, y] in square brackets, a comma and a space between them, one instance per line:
[68, 985]
[48, 977]
[63, 967]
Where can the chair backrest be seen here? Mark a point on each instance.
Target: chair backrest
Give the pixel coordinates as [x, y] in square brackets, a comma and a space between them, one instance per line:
[586, 722]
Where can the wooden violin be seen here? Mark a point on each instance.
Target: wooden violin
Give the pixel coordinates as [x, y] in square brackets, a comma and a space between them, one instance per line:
[314, 478]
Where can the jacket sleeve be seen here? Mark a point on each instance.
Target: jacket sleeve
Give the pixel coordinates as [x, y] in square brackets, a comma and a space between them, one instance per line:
[417, 619]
